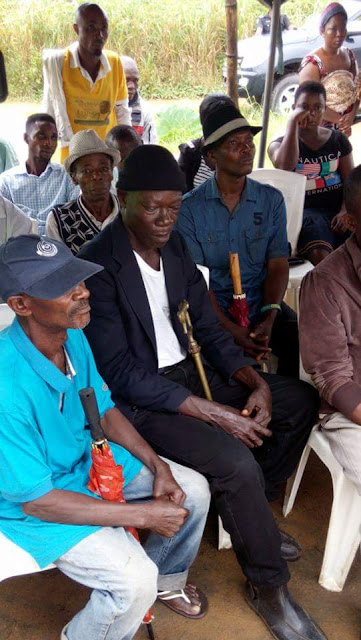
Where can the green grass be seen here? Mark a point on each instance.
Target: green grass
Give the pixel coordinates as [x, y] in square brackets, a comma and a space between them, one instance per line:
[178, 44]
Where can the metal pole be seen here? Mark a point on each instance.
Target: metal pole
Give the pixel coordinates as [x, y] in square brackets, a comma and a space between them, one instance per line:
[276, 10]
[232, 49]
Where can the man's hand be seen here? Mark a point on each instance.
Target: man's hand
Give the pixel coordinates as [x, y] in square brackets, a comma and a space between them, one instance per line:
[250, 347]
[165, 485]
[163, 517]
[261, 333]
[259, 406]
[342, 222]
[242, 427]
[231, 420]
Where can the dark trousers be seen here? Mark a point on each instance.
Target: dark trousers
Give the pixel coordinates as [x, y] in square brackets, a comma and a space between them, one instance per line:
[238, 476]
[284, 342]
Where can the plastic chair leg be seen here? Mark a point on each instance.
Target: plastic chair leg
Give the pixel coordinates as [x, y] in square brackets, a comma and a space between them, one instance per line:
[294, 481]
[224, 539]
[343, 538]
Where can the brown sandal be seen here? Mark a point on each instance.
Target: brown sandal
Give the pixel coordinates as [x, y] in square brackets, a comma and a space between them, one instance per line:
[168, 597]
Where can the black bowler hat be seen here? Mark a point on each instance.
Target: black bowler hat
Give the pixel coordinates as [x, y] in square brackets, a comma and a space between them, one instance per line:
[151, 168]
[41, 267]
[220, 120]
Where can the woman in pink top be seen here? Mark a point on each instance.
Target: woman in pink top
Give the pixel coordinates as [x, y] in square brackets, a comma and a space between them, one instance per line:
[336, 68]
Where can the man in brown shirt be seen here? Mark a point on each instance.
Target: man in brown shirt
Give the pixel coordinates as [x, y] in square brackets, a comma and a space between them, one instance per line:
[330, 337]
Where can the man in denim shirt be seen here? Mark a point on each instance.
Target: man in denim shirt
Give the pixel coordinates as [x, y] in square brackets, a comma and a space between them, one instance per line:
[230, 212]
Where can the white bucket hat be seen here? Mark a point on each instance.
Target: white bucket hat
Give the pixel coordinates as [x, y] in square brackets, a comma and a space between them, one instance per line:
[86, 142]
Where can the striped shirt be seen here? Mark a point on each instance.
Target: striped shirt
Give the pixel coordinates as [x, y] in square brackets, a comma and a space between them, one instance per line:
[37, 195]
[203, 173]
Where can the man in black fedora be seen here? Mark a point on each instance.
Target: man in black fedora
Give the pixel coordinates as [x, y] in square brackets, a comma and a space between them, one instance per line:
[243, 445]
[232, 213]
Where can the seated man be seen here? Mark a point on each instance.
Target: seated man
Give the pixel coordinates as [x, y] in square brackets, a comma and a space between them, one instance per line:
[331, 338]
[324, 156]
[39, 184]
[45, 506]
[231, 213]
[141, 349]
[141, 112]
[124, 139]
[13, 222]
[90, 164]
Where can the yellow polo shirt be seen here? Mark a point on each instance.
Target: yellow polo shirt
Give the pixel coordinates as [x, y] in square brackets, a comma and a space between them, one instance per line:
[92, 107]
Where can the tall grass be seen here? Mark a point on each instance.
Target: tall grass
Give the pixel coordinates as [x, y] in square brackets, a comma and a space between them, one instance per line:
[178, 44]
[177, 124]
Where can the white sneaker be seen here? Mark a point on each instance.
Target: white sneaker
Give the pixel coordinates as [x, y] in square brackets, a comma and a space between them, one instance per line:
[63, 636]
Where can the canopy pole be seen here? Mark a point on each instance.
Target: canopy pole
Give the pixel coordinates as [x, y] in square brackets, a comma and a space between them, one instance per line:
[232, 52]
[276, 11]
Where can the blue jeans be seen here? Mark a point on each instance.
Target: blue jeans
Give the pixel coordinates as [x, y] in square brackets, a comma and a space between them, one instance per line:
[125, 576]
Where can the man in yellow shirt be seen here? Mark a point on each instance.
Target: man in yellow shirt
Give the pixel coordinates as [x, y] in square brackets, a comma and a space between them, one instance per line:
[84, 86]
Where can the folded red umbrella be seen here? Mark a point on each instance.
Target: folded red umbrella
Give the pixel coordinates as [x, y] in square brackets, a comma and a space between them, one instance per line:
[239, 307]
[105, 476]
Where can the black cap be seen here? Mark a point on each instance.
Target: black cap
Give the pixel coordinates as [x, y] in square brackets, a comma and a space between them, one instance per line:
[41, 267]
[151, 168]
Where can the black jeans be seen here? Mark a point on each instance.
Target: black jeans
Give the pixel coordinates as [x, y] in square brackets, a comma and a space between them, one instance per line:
[284, 342]
[238, 478]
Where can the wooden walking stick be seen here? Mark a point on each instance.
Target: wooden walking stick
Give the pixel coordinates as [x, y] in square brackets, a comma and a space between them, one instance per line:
[193, 346]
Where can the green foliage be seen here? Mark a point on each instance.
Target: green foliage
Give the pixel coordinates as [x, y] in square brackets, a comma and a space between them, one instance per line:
[179, 44]
[177, 124]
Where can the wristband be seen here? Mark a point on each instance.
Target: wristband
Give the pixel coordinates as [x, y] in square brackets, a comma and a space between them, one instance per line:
[270, 307]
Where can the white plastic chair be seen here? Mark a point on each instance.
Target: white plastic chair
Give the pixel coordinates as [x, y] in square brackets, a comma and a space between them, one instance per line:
[14, 561]
[6, 316]
[343, 536]
[292, 186]
[205, 273]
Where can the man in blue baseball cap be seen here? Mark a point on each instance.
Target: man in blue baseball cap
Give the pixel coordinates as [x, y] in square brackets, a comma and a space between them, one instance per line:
[45, 505]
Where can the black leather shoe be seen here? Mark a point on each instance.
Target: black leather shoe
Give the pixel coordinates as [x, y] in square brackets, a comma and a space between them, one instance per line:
[285, 619]
[290, 549]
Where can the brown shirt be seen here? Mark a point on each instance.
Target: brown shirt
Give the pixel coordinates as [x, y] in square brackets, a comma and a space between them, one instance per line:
[330, 328]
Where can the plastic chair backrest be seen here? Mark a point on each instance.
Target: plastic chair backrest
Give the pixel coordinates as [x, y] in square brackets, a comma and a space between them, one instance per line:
[205, 273]
[292, 186]
[6, 316]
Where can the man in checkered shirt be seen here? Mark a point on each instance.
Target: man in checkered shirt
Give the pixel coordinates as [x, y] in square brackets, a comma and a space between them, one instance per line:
[38, 185]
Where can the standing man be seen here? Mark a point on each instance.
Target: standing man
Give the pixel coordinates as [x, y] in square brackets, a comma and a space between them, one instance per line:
[141, 112]
[231, 213]
[39, 184]
[84, 86]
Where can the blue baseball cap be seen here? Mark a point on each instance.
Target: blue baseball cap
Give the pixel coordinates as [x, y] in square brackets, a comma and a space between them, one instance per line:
[41, 267]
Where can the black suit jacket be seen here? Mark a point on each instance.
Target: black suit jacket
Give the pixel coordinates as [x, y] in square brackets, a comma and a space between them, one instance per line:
[121, 331]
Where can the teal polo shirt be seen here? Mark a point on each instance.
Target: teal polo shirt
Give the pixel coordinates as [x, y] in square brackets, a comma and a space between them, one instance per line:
[256, 230]
[43, 448]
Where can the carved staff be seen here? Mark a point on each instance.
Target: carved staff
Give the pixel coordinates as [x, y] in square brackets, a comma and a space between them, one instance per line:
[193, 346]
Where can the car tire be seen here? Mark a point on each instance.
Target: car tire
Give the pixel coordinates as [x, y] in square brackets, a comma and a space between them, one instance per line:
[282, 97]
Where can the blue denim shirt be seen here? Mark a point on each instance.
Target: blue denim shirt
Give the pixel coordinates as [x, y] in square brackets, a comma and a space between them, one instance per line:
[256, 230]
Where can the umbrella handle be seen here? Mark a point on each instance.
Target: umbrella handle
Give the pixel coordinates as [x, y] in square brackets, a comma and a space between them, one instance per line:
[90, 406]
[235, 273]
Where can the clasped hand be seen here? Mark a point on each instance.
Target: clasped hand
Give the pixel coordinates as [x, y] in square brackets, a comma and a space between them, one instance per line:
[250, 424]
